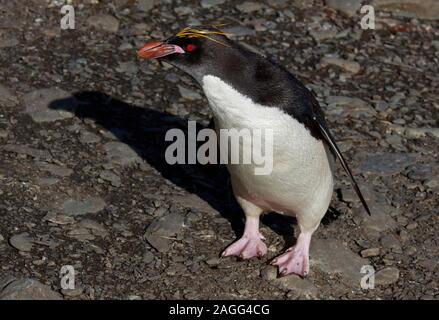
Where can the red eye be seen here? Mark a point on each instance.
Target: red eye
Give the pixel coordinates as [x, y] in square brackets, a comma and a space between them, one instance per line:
[190, 48]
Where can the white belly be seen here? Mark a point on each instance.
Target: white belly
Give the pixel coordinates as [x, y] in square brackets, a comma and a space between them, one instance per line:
[301, 181]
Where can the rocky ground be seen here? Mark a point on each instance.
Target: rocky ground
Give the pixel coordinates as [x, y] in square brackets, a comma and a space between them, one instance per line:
[83, 181]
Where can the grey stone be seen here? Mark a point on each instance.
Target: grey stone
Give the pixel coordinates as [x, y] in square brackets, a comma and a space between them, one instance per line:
[249, 6]
[140, 29]
[344, 106]
[3, 134]
[172, 77]
[412, 226]
[77, 291]
[416, 133]
[193, 22]
[161, 231]
[424, 9]
[333, 257]
[7, 39]
[386, 276]
[148, 257]
[111, 177]
[381, 220]
[278, 4]
[403, 236]
[60, 219]
[146, 5]
[120, 153]
[239, 31]
[396, 141]
[211, 3]
[7, 98]
[81, 234]
[348, 7]
[5, 280]
[421, 132]
[183, 11]
[77, 66]
[104, 22]
[89, 137]
[55, 170]
[370, 252]
[176, 269]
[303, 287]
[323, 33]
[160, 212]
[350, 66]
[20, 149]
[125, 46]
[343, 100]
[387, 164]
[390, 241]
[52, 32]
[22, 242]
[45, 182]
[52, 104]
[349, 195]
[46, 240]
[213, 262]
[269, 273]
[28, 289]
[73, 207]
[96, 228]
[188, 94]
[194, 202]
[432, 183]
[429, 264]
[128, 67]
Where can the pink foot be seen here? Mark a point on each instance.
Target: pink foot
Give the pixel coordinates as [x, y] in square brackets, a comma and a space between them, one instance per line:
[295, 259]
[250, 245]
[246, 248]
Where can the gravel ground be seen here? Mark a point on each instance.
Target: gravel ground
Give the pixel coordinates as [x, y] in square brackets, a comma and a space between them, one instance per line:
[83, 181]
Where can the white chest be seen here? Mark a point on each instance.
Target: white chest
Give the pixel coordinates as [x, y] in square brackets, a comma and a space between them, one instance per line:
[300, 162]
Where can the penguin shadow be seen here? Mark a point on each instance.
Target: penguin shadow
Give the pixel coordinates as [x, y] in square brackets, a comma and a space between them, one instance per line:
[284, 225]
[144, 129]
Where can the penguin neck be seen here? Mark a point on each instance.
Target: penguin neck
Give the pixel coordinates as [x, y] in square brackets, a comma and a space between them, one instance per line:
[224, 100]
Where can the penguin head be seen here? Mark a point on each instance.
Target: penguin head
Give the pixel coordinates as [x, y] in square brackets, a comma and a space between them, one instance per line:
[197, 51]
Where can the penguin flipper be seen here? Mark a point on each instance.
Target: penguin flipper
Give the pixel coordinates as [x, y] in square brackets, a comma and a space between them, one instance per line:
[331, 142]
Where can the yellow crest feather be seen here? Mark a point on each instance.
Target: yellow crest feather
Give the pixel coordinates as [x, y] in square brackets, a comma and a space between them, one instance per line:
[189, 32]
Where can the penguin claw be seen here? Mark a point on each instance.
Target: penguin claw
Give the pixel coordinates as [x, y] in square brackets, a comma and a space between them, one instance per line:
[292, 262]
[246, 248]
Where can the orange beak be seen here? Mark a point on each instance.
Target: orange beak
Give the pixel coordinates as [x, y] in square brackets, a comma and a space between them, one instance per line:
[156, 49]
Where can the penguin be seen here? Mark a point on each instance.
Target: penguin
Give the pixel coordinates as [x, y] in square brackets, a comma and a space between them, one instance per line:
[247, 90]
